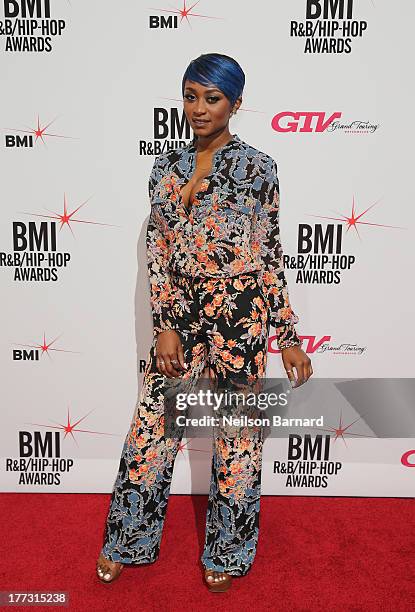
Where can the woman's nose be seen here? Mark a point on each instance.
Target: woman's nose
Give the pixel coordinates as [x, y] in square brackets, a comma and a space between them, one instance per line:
[200, 108]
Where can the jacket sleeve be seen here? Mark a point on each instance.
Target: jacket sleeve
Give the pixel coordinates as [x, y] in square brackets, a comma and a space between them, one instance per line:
[266, 247]
[161, 289]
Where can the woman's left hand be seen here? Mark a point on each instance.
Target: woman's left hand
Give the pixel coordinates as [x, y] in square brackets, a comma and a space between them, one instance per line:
[295, 357]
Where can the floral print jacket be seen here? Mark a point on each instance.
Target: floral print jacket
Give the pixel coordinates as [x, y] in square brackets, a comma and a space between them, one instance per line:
[231, 228]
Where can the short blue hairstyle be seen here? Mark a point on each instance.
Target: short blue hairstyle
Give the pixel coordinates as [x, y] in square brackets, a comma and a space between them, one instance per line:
[219, 70]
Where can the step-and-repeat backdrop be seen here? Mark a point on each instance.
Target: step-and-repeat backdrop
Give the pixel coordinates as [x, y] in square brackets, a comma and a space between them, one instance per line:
[91, 92]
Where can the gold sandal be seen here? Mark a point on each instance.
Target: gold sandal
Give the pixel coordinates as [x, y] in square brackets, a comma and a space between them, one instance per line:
[105, 573]
[218, 586]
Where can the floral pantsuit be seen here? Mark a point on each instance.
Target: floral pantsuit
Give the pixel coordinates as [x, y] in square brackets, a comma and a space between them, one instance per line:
[224, 323]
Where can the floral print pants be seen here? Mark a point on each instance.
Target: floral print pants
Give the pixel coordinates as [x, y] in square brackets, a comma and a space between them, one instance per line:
[223, 323]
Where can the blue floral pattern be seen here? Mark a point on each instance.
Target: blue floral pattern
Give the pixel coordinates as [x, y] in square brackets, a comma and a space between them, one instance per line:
[231, 228]
[216, 277]
[223, 323]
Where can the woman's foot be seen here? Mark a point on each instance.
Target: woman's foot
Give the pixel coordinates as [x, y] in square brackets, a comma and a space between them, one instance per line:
[107, 570]
[217, 581]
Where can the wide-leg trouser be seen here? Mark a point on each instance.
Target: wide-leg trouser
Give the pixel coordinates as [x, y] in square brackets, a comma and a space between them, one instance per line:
[223, 323]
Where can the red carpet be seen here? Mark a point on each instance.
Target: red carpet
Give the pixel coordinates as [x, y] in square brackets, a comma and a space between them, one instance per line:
[314, 553]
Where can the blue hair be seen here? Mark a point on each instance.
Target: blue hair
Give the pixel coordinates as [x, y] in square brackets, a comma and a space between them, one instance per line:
[219, 70]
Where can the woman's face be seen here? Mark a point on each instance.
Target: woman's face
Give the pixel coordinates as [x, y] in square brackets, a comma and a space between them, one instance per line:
[207, 109]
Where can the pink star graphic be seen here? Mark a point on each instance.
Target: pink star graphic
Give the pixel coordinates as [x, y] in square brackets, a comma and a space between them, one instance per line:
[185, 12]
[40, 132]
[182, 447]
[341, 430]
[70, 428]
[45, 347]
[354, 219]
[66, 218]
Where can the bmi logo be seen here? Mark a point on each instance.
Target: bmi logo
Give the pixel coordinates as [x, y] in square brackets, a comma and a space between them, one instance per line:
[320, 258]
[35, 352]
[170, 130]
[27, 138]
[173, 17]
[35, 255]
[29, 26]
[308, 463]
[308, 460]
[329, 27]
[40, 461]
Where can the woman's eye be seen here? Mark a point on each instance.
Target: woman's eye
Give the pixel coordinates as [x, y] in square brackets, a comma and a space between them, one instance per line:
[211, 99]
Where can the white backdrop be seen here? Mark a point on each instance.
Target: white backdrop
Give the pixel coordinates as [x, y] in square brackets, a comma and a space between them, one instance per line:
[82, 111]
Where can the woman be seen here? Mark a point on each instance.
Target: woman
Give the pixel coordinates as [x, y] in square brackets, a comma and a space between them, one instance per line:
[217, 283]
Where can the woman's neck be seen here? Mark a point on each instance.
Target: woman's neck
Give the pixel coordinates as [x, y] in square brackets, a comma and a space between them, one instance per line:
[206, 144]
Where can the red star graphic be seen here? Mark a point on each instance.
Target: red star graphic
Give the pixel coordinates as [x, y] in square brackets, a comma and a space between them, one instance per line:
[39, 131]
[353, 220]
[341, 430]
[183, 445]
[185, 12]
[46, 348]
[247, 110]
[70, 428]
[66, 218]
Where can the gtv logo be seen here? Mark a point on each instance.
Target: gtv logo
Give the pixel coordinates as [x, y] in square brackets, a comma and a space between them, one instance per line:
[288, 121]
[312, 345]
[408, 458]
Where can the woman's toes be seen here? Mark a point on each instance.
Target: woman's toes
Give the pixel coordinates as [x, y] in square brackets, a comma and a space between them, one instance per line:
[107, 576]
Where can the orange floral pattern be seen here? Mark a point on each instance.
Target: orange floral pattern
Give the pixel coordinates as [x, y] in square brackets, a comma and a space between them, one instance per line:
[223, 323]
[217, 278]
[231, 228]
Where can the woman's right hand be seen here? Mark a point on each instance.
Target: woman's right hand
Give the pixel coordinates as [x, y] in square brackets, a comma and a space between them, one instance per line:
[169, 354]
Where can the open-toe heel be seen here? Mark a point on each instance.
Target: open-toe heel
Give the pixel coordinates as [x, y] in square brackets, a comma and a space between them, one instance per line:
[105, 573]
[218, 586]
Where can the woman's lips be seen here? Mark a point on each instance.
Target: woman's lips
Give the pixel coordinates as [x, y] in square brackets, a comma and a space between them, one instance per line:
[199, 122]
